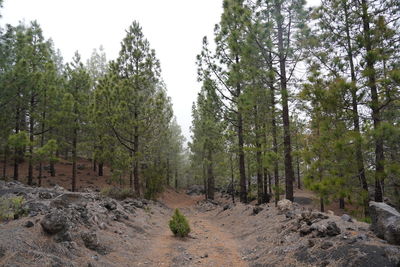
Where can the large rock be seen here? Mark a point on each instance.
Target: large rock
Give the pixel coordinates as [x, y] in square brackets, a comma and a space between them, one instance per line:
[285, 205]
[195, 190]
[68, 199]
[54, 222]
[385, 222]
[92, 242]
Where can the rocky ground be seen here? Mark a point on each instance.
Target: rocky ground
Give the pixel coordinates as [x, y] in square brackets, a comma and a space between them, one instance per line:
[85, 229]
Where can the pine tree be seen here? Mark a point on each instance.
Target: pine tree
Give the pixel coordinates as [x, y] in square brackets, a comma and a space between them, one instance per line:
[75, 110]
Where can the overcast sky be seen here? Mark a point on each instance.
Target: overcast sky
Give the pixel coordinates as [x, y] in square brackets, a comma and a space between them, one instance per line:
[174, 28]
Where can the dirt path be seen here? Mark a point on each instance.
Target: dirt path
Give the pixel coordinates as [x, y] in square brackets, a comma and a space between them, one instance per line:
[207, 245]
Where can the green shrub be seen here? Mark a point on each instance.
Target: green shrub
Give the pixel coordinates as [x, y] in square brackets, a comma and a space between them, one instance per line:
[366, 220]
[11, 208]
[118, 193]
[179, 225]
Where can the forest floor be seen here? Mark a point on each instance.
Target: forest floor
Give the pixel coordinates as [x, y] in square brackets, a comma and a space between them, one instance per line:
[87, 178]
[207, 245]
[135, 232]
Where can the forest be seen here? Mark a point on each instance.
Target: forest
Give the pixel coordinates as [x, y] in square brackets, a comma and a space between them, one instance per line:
[291, 97]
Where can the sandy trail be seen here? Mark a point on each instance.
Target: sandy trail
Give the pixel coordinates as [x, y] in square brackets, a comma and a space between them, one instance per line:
[207, 245]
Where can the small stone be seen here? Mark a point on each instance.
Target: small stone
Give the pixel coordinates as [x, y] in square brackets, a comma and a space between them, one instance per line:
[226, 207]
[326, 245]
[257, 210]
[63, 236]
[45, 195]
[110, 205]
[29, 224]
[3, 251]
[346, 218]
[305, 230]
[285, 205]
[102, 226]
[290, 215]
[333, 229]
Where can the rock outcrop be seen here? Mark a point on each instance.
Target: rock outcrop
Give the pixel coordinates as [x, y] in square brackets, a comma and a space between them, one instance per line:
[385, 222]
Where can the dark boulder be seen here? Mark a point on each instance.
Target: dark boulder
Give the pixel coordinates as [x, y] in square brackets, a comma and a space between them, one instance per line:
[67, 200]
[195, 190]
[385, 222]
[29, 224]
[257, 210]
[110, 205]
[92, 242]
[54, 222]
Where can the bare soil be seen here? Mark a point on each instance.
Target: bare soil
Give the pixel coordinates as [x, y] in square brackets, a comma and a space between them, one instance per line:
[207, 245]
[86, 176]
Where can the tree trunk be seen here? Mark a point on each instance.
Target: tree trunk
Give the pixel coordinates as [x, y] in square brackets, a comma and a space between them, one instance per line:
[341, 203]
[232, 180]
[205, 181]
[242, 170]
[16, 149]
[42, 143]
[168, 175]
[5, 162]
[94, 165]
[101, 168]
[74, 157]
[298, 173]
[248, 177]
[356, 118]
[289, 174]
[260, 186]
[267, 186]
[376, 116]
[322, 205]
[274, 133]
[296, 139]
[31, 140]
[210, 176]
[52, 169]
[136, 181]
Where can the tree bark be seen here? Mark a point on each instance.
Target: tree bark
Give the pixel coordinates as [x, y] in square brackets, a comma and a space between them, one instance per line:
[260, 186]
[31, 140]
[289, 174]
[205, 181]
[356, 118]
[5, 162]
[341, 203]
[210, 176]
[242, 170]
[232, 180]
[136, 181]
[74, 156]
[376, 116]
[168, 174]
[101, 169]
[16, 149]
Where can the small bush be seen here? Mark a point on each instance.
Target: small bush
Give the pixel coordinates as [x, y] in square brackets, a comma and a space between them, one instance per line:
[366, 220]
[11, 208]
[118, 193]
[179, 224]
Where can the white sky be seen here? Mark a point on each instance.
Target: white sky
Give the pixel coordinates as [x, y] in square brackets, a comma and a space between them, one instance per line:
[175, 29]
